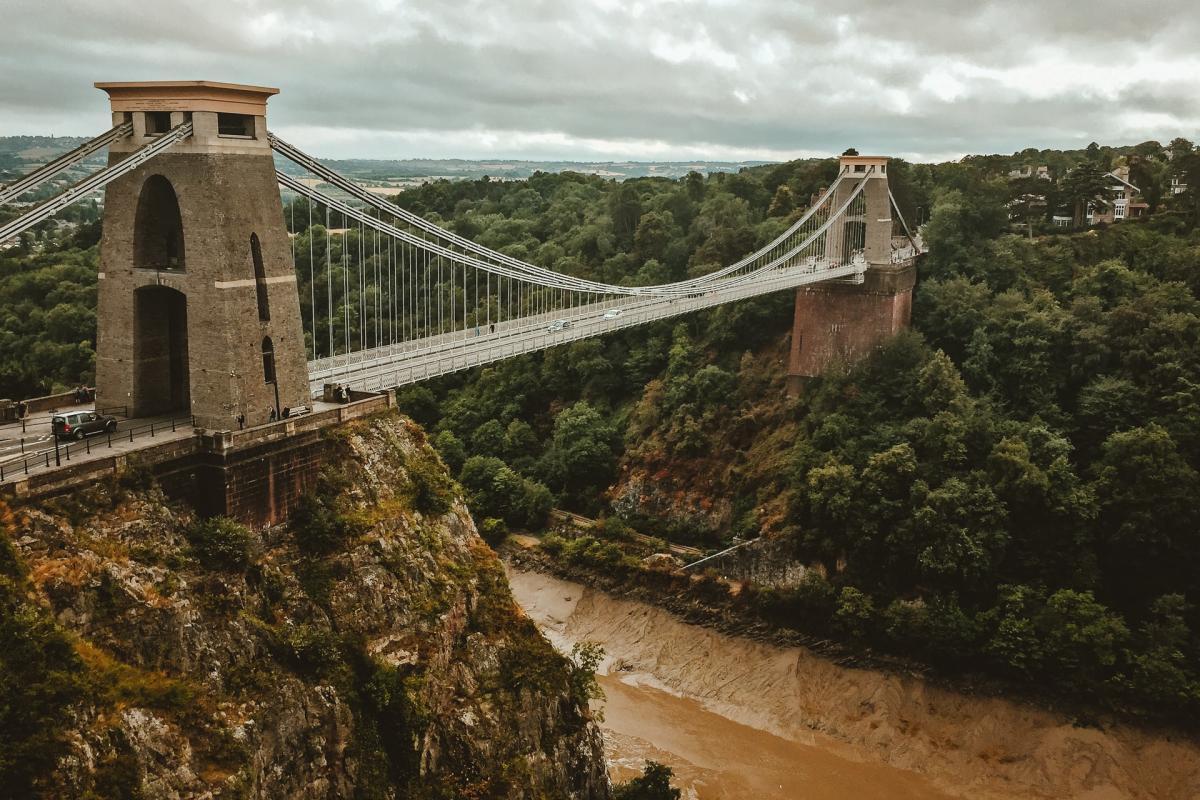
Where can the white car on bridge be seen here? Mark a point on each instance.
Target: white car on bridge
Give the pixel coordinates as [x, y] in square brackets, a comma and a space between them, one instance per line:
[612, 313]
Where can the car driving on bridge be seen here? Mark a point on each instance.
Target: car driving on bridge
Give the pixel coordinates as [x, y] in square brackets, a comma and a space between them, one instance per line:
[79, 424]
[558, 325]
[612, 313]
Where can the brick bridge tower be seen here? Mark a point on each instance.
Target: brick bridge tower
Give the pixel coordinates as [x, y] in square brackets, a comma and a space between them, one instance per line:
[198, 310]
[840, 321]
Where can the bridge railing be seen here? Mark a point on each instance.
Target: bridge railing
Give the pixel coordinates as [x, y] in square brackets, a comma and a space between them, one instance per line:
[59, 453]
[473, 354]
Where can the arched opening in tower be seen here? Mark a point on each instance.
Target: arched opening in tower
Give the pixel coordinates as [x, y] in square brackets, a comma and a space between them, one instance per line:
[260, 279]
[160, 351]
[158, 229]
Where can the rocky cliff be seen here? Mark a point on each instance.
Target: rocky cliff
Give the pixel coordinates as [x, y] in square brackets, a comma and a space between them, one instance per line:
[371, 648]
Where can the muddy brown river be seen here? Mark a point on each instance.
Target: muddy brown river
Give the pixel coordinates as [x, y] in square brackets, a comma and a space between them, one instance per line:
[735, 718]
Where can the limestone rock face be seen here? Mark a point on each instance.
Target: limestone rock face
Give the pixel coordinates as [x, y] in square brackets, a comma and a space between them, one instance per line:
[393, 664]
[671, 500]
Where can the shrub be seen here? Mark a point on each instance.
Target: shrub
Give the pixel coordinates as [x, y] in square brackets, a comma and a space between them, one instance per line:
[493, 531]
[553, 544]
[40, 677]
[495, 490]
[318, 526]
[590, 552]
[585, 658]
[855, 614]
[653, 784]
[809, 605]
[451, 449]
[614, 528]
[220, 543]
[432, 489]
[313, 650]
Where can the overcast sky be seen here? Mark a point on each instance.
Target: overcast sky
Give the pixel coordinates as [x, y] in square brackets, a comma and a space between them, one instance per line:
[608, 79]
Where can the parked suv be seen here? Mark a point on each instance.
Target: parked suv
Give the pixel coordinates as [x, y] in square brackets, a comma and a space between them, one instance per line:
[79, 424]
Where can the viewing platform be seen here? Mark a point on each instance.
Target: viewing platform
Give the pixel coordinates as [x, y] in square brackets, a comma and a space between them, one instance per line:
[255, 473]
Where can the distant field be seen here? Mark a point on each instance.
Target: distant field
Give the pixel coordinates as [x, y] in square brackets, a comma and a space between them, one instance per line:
[390, 175]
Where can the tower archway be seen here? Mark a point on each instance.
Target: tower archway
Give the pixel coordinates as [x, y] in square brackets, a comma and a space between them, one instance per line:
[158, 227]
[160, 351]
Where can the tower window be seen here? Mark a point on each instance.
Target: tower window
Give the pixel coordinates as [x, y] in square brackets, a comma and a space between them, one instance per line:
[235, 125]
[268, 356]
[260, 279]
[157, 122]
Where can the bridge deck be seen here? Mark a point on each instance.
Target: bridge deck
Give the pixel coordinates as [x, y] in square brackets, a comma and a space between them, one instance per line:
[396, 365]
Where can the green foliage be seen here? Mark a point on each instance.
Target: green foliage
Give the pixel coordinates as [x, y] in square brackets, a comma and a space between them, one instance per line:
[220, 543]
[418, 402]
[580, 455]
[47, 317]
[431, 489]
[41, 676]
[451, 449]
[591, 552]
[319, 526]
[494, 489]
[585, 658]
[391, 698]
[493, 531]
[653, 784]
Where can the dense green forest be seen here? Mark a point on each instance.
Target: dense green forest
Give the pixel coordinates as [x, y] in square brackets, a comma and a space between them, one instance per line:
[1008, 488]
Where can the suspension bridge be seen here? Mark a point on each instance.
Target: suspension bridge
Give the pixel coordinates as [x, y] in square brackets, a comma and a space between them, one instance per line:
[205, 304]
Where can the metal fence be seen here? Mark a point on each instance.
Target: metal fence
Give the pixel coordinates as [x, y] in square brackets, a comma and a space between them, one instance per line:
[61, 452]
[27, 421]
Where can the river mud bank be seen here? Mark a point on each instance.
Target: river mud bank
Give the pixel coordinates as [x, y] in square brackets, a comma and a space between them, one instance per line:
[737, 717]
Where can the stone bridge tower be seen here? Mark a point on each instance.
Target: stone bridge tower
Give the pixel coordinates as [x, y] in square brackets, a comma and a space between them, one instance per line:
[839, 321]
[198, 310]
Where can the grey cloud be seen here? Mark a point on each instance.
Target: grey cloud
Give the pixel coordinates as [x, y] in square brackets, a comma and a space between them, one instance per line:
[628, 72]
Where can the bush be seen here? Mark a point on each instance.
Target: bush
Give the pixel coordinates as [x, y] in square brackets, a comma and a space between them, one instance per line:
[493, 531]
[432, 489]
[855, 614]
[40, 677]
[807, 606]
[220, 543]
[451, 449]
[495, 490]
[590, 552]
[653, 784]
[320, 528]
[585, 658]
[553, 544]
[614, 528]
[313, 650]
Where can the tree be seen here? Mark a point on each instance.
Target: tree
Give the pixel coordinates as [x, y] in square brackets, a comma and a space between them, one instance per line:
[1086, 184]
[654, 232]
[493, 489]
[1148, 520]
[625, 209]
[1028, 199]
[653, 784]
[960, 531]
[580, 454]
[488, 439]
[1150, 176]
[783, 203]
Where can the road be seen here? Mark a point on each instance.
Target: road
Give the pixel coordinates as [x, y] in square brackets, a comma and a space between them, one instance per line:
[30, 451]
